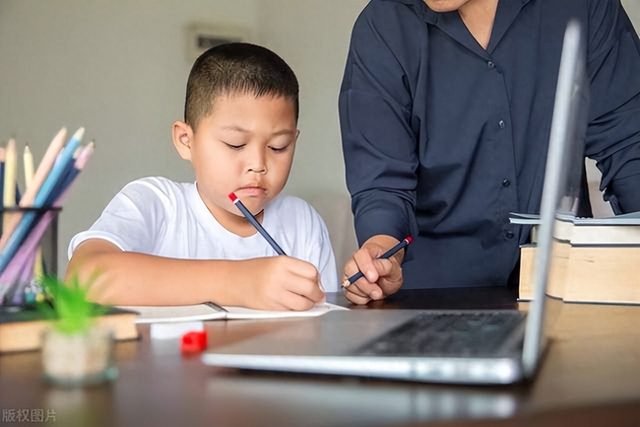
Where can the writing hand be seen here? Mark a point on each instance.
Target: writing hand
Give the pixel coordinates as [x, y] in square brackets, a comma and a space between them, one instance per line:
[280, 283]
[381, 277]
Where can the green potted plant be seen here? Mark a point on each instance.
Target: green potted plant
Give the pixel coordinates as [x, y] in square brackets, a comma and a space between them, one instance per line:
[75, 350]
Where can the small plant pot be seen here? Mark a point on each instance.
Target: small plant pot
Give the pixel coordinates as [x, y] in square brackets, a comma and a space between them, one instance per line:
[78, 359]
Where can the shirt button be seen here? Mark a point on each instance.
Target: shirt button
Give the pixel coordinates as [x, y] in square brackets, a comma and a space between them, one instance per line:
[509, 234]
[501, 124]
[490, 64]
[506, 183]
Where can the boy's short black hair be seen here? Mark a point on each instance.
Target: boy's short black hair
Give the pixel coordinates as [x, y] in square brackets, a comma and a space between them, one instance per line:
[236, 68]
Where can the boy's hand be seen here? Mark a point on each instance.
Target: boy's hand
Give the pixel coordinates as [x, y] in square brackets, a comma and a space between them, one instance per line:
[280, 283]
[382, 277]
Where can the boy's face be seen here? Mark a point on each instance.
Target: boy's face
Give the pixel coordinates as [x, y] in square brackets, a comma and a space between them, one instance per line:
[245, 146]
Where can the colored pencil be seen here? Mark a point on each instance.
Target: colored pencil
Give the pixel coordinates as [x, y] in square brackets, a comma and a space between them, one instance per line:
[22, 259]
[10, 172]
[40, 175]
[30, 218]
[27, 158]
[3, 155]
[17, 273]
[60, 165]
[49, 158]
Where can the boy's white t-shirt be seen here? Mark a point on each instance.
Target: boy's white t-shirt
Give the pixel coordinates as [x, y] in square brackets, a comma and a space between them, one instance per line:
[160, 217]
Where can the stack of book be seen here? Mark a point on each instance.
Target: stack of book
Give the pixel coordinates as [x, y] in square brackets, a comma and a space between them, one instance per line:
[26, 217]
[595, 260]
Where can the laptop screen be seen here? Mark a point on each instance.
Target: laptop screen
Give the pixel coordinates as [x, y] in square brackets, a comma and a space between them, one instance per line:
[565, 160]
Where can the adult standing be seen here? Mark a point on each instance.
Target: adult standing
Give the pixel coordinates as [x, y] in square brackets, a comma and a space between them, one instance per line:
[445, 112]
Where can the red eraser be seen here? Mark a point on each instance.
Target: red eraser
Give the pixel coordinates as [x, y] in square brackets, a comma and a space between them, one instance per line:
[233, 197]
[409, 239]
[194, 341]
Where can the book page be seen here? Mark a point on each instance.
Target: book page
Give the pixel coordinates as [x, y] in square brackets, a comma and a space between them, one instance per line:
[209, 311]
[176, 313]
[631, 218]
[247, 313]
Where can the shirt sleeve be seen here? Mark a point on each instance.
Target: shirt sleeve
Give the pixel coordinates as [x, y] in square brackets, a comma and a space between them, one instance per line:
[127, 221]
[326, 263]
[379, 143]
[320, 252]
[613, 134]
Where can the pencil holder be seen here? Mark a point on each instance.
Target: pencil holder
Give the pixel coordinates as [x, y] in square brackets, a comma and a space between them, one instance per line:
[29, 250]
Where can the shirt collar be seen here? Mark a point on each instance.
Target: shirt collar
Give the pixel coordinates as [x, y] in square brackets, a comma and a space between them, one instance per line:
[431, 17]
[451, 23]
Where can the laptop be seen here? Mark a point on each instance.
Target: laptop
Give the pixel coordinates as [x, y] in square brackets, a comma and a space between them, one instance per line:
[470, 347]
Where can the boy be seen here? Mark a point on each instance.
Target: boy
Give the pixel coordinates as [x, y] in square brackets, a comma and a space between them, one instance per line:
[164, 243]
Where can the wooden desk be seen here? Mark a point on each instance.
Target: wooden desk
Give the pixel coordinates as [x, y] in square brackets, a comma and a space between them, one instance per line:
[590, 377]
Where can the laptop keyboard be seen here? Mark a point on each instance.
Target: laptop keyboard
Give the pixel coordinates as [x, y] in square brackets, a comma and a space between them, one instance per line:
[459, 334]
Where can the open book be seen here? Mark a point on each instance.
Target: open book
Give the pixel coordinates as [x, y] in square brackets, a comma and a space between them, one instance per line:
[211, 311]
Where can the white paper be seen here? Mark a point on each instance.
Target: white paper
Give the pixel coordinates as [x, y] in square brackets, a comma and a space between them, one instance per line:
[187, 313]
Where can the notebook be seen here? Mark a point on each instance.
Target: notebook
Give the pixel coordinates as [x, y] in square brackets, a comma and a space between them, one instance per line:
[471, 347]
[211, 311]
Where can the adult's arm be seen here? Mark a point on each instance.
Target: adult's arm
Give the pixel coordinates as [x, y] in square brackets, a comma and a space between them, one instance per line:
[379, 141]
[613, 135]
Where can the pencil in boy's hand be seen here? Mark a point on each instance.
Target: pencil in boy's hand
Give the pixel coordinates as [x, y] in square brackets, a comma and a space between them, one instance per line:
[388, 254]
[255, 223]
[258, 226]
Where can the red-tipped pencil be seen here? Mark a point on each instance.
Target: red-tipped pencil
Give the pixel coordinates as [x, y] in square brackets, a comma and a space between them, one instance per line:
[388, 254]
[255, 223]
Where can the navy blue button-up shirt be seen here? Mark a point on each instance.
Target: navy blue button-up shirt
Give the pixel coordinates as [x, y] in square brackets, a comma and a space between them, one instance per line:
[442, 138]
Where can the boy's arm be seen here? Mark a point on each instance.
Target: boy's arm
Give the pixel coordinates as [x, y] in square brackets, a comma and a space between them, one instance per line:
[130, 278]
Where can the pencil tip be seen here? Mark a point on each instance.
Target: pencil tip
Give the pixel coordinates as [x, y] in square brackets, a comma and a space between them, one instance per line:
[60, 136]
[79, 134]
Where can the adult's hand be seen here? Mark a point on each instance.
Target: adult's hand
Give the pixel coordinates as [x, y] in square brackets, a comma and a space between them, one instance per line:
[382, 277]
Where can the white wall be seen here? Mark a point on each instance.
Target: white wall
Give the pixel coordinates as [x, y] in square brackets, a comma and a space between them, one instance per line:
[633, 10]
